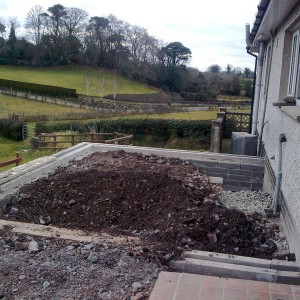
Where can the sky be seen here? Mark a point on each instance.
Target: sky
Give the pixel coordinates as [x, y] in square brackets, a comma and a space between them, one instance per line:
[214, 30]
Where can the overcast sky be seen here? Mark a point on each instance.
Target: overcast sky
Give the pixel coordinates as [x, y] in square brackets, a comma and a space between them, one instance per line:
[214, 30]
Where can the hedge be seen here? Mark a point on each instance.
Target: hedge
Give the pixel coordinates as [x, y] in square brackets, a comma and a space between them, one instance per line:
[140, 128]
[38, 88]
[11, 129]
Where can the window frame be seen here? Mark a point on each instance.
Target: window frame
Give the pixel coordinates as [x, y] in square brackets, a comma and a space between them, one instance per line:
[293, 88]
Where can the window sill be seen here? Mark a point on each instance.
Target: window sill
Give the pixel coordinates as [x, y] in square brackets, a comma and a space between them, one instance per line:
[279, 104]
[293, 112]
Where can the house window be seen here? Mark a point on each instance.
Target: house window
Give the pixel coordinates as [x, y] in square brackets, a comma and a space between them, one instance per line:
[267, 74]
[294, 76]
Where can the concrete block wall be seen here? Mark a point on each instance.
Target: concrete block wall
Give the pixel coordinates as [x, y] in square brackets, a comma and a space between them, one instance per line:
[236, 176]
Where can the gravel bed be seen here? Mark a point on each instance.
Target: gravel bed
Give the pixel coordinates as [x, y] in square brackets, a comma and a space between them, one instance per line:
[252, 202]
[42, 268]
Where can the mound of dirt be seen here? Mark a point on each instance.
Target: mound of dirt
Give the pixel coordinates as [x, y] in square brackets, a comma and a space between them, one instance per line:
[168, 203]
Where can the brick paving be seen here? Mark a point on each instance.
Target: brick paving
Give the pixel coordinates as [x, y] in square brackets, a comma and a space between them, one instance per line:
[182, 286]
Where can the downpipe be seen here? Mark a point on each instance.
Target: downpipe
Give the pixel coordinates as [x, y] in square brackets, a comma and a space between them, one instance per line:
[282, 139]
[259, 144]
[260, 62]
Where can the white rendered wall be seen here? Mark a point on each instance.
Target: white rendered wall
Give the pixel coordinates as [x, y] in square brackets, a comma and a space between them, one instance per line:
[279, 122]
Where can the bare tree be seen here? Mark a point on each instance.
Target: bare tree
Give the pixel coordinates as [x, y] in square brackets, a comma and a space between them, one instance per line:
[87, 80]
[115, 84]
[34, 23]
[74, 20]
[101, 83]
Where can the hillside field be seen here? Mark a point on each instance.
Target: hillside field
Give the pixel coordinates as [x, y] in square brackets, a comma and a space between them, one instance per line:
[25, 106]
[74, 77]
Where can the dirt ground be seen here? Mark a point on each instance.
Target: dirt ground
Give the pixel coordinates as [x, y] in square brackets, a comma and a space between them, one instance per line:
[168, 203]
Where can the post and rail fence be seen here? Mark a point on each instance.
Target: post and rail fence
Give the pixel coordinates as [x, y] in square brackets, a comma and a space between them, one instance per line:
[63, 141]
[11, 161]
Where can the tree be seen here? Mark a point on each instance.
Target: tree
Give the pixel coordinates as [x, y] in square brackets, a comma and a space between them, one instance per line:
[115, 85]
[34, 22]
[74, 20]
[229, 68]
[248, 87]
[175, 54]
[230, 85]
[247, 73]
[215, 69]
[101, 83]
[11, 42]
[87, 80]
[98, 28]
[2, 30]
[57, 12]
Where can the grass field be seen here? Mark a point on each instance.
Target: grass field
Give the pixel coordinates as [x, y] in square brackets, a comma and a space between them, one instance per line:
[73, 77]
[195, 115]
[20, 106]
[8, 149]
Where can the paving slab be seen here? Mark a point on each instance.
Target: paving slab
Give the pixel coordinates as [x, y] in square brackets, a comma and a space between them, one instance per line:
[183, 286]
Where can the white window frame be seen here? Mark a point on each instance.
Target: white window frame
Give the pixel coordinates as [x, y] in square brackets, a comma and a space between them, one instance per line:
[294, 73]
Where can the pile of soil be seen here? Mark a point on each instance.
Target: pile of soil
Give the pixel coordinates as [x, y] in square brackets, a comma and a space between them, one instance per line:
[167, 202]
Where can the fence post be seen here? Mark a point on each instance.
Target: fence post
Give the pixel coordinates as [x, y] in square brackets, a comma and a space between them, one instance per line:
[216, 133]
[54, 139]
[73, 140]
[17, 156]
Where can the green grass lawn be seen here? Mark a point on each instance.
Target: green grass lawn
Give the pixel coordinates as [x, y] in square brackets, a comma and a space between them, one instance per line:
[73, 77]
[21, 105]
[194, 115]
[8, 149]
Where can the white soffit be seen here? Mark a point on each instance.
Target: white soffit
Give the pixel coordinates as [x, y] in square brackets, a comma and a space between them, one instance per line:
[275, 14]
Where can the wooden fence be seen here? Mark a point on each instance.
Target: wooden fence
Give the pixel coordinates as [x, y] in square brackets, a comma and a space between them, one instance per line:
[63, 141]
[236, 122]
[12, 161]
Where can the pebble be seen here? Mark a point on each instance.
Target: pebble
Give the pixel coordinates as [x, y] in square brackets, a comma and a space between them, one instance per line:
[72, 202]
[45, 220]
[14, 210]
[138, 296]
[89, 246]
[93, 258]
[19, 246]
[46, 284]
[137, 285]
[212, 237]
[33, 247]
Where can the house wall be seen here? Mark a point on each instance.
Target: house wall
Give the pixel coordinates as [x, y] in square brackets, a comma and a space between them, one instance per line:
[280, 122]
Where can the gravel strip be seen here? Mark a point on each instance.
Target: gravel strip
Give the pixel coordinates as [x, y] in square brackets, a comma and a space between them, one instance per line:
[252, 202]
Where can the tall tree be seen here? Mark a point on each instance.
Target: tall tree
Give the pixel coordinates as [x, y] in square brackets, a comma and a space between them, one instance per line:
[11, 43]
[74, 20]
[2, 30]
[215, 69]
[34, 23]
[98, 28]
[56, 14]
[175, 54]
[247, 73]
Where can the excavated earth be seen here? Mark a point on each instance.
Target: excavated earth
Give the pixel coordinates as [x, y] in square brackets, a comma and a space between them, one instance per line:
[168, 204]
